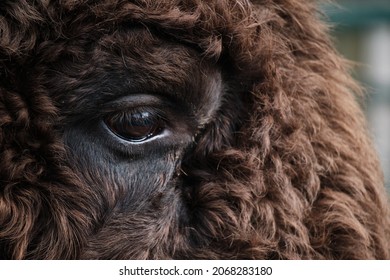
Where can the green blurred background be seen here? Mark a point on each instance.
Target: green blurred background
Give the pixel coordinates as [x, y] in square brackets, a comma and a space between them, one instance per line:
[361, 31]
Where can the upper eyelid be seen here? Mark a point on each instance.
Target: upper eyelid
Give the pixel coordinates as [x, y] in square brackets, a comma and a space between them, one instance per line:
[131, 102]
[155, 113]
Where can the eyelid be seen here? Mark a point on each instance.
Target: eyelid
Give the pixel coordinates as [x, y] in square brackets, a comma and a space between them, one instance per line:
[133, 102]
[155, 113]
[143, 109]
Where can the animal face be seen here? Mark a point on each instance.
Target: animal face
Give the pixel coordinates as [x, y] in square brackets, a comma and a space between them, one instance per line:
[131, 108]
[181, 129]
[133, 113]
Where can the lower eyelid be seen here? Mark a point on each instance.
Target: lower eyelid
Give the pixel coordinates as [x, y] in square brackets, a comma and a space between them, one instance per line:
[125, 144]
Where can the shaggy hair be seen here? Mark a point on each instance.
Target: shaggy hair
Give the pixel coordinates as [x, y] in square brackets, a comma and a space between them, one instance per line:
[280, 166]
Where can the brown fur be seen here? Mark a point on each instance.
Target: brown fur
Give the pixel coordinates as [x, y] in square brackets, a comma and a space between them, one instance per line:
[283, 170]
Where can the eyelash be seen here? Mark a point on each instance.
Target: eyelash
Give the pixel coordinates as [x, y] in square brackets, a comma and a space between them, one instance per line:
[138, 125]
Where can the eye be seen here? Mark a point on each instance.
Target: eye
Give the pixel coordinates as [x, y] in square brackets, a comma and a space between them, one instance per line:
[135, 126]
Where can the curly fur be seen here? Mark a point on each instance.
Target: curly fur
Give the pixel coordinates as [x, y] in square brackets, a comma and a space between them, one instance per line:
[284, 170]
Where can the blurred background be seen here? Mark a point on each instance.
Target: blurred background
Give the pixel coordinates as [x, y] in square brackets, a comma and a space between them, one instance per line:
[361, 31]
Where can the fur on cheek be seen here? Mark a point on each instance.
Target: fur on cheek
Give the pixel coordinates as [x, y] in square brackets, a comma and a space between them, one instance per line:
[42, 203]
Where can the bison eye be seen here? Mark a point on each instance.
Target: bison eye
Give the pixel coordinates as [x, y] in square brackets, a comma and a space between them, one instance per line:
[136, 126]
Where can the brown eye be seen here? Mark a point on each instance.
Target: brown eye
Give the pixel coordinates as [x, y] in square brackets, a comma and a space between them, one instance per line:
[135, 126]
